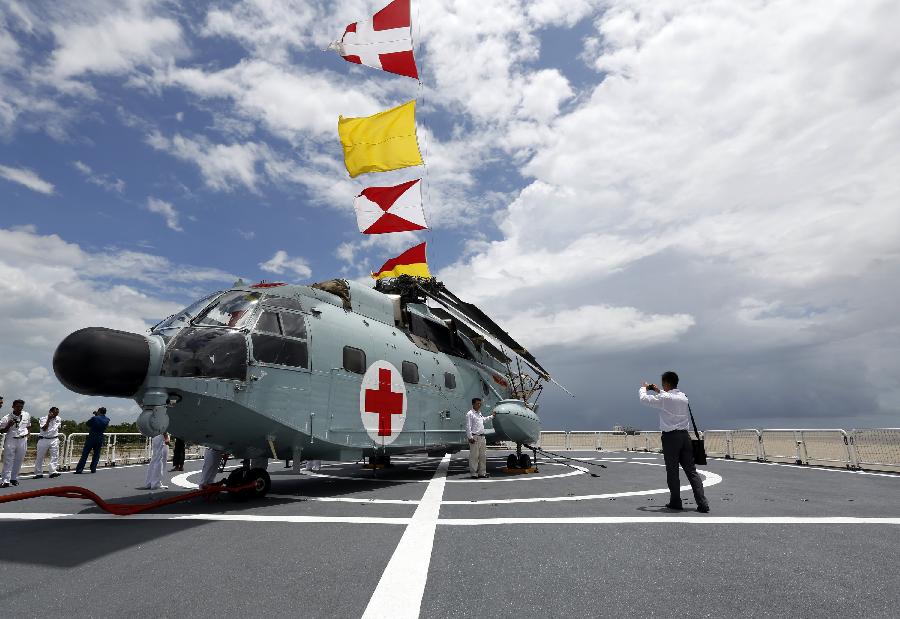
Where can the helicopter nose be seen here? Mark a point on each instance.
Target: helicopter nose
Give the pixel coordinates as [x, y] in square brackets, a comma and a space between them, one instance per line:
[99, 361]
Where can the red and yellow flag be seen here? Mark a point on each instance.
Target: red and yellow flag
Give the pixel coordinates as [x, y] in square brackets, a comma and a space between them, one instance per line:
[411, 262]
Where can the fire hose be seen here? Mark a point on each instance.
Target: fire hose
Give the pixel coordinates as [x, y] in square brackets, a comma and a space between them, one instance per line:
[122, 509]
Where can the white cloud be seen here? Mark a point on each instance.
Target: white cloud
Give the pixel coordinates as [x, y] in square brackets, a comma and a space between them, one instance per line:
[281, 263]
[50, 288]
[598, 328]
[104, 181]
[114, 39]
[223, 166]
[27, 178]
[168, 212]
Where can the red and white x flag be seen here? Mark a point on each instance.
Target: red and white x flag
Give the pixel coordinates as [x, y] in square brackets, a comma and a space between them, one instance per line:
[384, 42]
[380, 210]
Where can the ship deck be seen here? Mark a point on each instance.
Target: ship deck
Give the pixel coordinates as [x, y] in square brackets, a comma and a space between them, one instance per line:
[422, 539]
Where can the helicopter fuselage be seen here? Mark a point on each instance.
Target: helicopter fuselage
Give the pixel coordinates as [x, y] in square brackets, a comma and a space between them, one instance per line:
[300, 372]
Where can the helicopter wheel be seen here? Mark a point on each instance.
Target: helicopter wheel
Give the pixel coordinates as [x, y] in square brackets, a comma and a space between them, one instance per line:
[524, 461]
[261, 481]
[512, 462]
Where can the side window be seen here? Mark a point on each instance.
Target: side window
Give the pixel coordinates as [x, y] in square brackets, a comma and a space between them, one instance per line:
[268, 323]
[354, 360]
[410, 373]
[293, 325]
[270, 347]
[450, 380]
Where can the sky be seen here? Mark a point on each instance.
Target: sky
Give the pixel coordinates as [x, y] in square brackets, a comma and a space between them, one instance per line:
[706, 186]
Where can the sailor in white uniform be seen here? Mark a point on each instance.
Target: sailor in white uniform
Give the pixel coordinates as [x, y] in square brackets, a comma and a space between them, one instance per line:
[48, 443]
[159, 453]
[212, 460]
[15, 425]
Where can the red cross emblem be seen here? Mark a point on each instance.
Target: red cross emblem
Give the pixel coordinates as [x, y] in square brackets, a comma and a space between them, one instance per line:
[382, 402]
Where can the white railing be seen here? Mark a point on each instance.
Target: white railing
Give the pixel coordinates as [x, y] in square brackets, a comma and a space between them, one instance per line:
[119, 448]
[876, 449]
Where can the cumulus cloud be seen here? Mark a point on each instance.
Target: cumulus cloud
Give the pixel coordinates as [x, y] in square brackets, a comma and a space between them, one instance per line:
[283, 264]
[27, 178]
[114, 38]
[50, 288]
[598, 328]
[168, 212]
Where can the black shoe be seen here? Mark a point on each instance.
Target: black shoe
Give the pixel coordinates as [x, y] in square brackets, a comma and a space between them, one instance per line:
[38, 477]
[52, 475]
[4, 485]
[674, 506]
[703, 509]
[14, 482]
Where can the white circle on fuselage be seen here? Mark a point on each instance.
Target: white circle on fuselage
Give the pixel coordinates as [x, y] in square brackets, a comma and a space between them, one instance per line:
[383, 402]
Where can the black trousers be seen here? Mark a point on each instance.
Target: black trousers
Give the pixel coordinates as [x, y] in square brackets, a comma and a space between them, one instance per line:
[178, 455]
[677, 450]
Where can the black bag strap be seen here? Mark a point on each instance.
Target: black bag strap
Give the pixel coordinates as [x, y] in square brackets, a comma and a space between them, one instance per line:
[696, 431]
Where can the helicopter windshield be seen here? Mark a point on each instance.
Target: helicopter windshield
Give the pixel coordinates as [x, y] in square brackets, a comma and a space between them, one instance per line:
[176, 321]
[232, 309]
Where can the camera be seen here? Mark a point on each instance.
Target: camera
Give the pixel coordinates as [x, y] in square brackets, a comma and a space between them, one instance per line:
[652, 387]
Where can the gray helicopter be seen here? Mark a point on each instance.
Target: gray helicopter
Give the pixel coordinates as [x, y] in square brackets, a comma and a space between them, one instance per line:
[331, 371]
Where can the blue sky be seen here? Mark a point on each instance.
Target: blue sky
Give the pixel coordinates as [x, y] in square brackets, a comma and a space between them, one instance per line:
[626, 187]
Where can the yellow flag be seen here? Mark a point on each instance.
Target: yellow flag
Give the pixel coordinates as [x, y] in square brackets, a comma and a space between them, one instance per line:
[379, 143]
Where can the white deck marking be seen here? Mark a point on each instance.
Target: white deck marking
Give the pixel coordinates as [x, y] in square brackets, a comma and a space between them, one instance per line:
[466, 522]
[402, 585]
[807, 467]
[709, 479]
[408, 573]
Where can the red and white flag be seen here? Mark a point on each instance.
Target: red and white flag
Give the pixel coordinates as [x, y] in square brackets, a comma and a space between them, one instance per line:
[384, 42]
[380, 210]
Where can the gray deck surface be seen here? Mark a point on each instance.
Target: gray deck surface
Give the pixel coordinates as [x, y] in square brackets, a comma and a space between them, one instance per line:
[511, 546]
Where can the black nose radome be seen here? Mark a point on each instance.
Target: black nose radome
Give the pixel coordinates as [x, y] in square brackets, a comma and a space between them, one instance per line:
[98, 361]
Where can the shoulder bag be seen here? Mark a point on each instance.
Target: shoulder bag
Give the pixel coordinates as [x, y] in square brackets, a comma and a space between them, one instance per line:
[697, 443]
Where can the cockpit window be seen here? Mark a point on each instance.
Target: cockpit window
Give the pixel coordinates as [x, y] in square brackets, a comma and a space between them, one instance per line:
[232, 309]
[183, 317]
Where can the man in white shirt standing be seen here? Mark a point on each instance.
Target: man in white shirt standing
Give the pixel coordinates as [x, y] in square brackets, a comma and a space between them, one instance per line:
[48, 442]
[475, 434]
[674, 417]
[15, 426]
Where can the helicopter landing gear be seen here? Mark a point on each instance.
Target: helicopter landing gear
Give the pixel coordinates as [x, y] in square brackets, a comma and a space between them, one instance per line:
[259, 478]
[524, 461]
[379, 461]
[520, 461]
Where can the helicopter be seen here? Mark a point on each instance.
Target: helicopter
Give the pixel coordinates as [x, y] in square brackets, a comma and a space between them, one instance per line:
[334, 370]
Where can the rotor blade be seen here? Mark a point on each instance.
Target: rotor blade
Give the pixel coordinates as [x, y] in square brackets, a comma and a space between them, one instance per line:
[486, 325]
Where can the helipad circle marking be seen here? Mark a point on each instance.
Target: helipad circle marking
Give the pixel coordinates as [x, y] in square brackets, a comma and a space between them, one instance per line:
[709, 479]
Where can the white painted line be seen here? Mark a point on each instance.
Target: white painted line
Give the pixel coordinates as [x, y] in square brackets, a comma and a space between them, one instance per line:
[209, 517]
[468, 522]
[402, 585]
[409, 571]
[709, 479]
[31, 516]
[810, 468]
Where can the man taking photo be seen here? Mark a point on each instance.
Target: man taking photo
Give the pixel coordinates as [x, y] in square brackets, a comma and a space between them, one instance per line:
[674, 416]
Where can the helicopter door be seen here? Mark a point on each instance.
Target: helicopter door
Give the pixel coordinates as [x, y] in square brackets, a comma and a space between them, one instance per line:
[280, 352]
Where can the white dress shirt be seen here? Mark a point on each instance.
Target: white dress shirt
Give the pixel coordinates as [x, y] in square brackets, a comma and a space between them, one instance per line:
[17, 431]
[672, 405]
[52, 430]
[475, 423]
